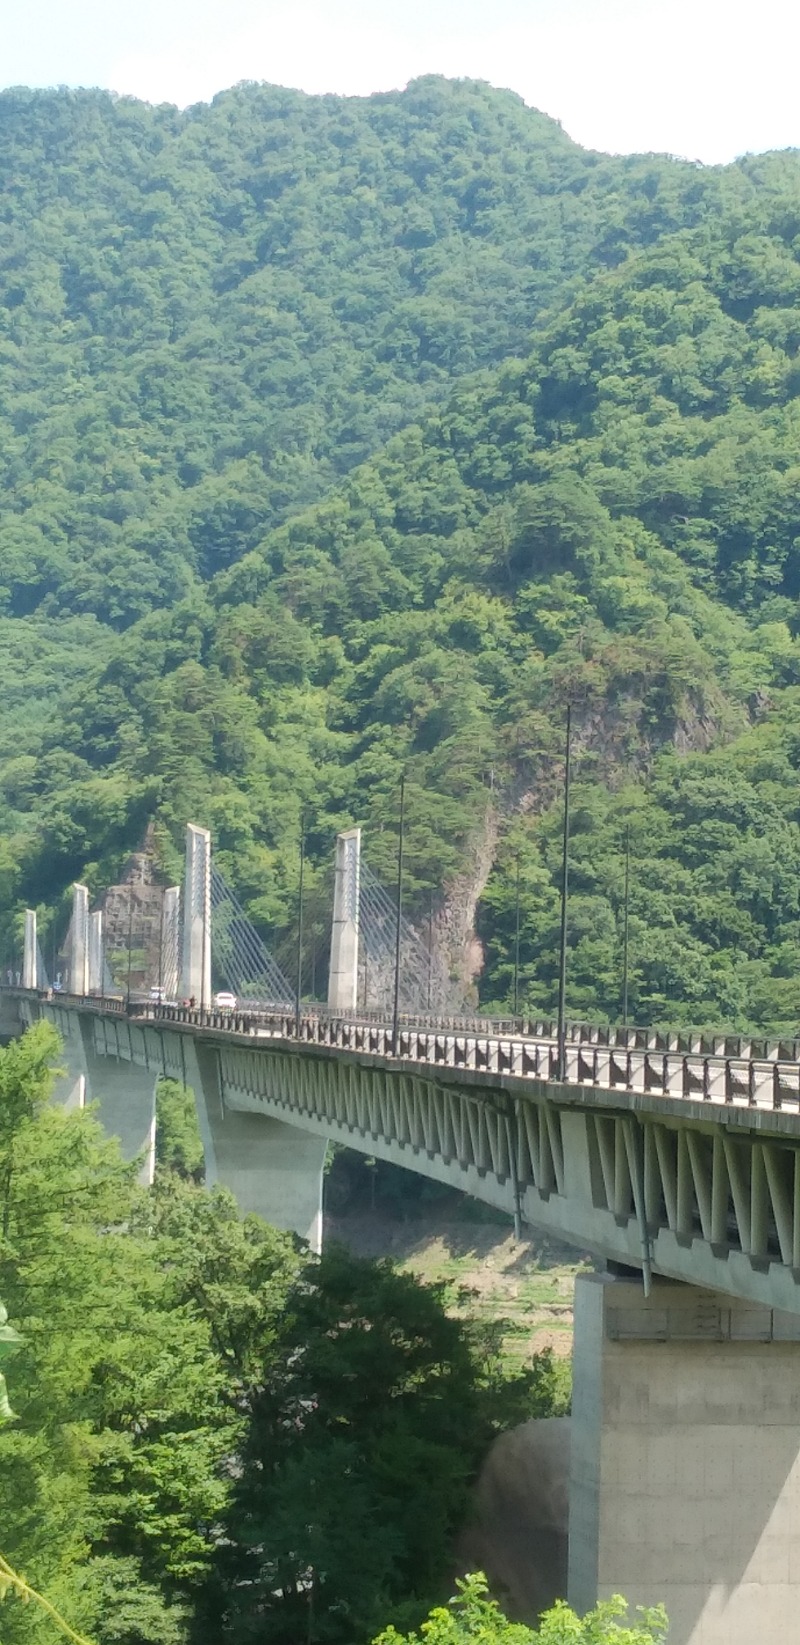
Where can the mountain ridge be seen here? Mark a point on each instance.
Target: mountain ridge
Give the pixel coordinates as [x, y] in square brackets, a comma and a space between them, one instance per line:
[232, 593]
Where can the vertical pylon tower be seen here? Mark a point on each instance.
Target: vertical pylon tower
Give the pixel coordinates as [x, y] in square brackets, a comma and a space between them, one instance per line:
[79, 941]
[343, 974]
[96, 967]
[196, 970]
[30, 951]
[170, 957]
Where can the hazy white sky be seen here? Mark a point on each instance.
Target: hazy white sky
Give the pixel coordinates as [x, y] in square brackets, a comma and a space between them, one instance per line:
[707, 79]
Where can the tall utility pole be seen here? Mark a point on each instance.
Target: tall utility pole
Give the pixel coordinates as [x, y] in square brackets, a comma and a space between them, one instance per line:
[625, 927]
[398, 923]
[430, 949]
[300, 928]
[516, 945]
[562, 969]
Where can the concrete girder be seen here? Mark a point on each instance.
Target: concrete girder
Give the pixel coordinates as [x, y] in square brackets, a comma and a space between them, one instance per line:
[692, 1190]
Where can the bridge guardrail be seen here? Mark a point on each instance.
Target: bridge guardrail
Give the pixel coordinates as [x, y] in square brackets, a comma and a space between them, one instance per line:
[769, 1082]
[682, 1042]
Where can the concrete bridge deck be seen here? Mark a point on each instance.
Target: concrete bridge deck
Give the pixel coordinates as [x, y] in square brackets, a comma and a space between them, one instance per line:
[682, 1164]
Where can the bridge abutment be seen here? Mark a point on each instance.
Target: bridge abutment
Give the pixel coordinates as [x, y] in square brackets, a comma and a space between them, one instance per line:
[272, 1168]
[685, 1473]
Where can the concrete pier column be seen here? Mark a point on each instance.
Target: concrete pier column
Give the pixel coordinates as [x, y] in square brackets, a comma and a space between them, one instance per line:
[343, 974]
[685, 1472]
[272, 1168]
[125, 1095]
[171, 943]
[78, 958]
[30, 958]
[96, 954]
[71, 1087]
[196, 968]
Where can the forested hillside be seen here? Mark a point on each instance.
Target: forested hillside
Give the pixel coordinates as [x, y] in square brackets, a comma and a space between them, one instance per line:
[348, 436]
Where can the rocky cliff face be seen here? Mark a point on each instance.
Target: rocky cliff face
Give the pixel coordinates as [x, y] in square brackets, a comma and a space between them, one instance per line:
[458, 953]
[614, 735]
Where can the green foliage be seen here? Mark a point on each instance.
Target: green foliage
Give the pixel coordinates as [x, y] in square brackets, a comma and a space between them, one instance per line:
[361, 1443]
[179, 1146]
[114, 1469]
[187, 1382]
[284, 515]
[473, 1616]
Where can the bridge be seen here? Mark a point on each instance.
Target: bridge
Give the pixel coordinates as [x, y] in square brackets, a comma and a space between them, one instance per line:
[673, 1156]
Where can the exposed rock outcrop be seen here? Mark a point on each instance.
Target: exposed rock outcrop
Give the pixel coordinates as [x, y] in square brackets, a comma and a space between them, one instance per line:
[518, 1530]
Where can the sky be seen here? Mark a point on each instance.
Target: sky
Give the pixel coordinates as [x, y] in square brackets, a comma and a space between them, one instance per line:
[705, 79]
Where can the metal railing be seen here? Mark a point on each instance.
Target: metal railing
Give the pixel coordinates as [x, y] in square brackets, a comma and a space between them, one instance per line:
[702, 1071]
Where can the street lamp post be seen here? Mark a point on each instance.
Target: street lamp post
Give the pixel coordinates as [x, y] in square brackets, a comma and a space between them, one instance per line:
[625, 927]
[398, 922]
[300, 929]
[562, 969]
[430, 950]
[516, 944]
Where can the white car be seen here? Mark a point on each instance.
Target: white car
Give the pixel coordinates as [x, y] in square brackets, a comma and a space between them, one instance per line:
[224, 1001]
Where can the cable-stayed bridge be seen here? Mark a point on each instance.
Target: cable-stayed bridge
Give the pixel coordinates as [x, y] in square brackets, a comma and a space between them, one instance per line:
[671, 1155]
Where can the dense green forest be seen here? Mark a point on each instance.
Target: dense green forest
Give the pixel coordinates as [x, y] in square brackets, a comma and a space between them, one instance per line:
[348, 437]
[191, 1390]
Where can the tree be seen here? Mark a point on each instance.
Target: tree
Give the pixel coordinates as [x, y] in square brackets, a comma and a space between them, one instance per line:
[113, 1474]
[473, 1616]
[373, 1413]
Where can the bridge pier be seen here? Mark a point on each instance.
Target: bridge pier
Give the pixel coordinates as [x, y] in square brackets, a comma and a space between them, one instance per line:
[71, 1085]
[125, 1095]
[685, 1473]
[272, 1168]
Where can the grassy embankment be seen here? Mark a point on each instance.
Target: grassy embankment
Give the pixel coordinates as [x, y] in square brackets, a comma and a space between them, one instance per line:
[490, 1276]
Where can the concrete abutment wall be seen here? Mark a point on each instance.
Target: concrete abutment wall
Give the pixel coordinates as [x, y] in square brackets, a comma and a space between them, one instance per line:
[685, 1470]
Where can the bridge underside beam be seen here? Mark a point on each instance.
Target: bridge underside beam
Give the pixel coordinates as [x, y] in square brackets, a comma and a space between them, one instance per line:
[90, 1068]
[698, 1193]
[685, 1474]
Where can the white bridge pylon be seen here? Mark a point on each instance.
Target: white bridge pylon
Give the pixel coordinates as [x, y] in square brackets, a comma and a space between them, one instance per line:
[196, 969]
[343, 973]
[30, 967]
[95, 959]
[185, 957]
[78, 956]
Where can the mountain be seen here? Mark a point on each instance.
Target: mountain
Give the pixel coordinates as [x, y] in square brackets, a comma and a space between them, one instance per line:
[348, 436]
